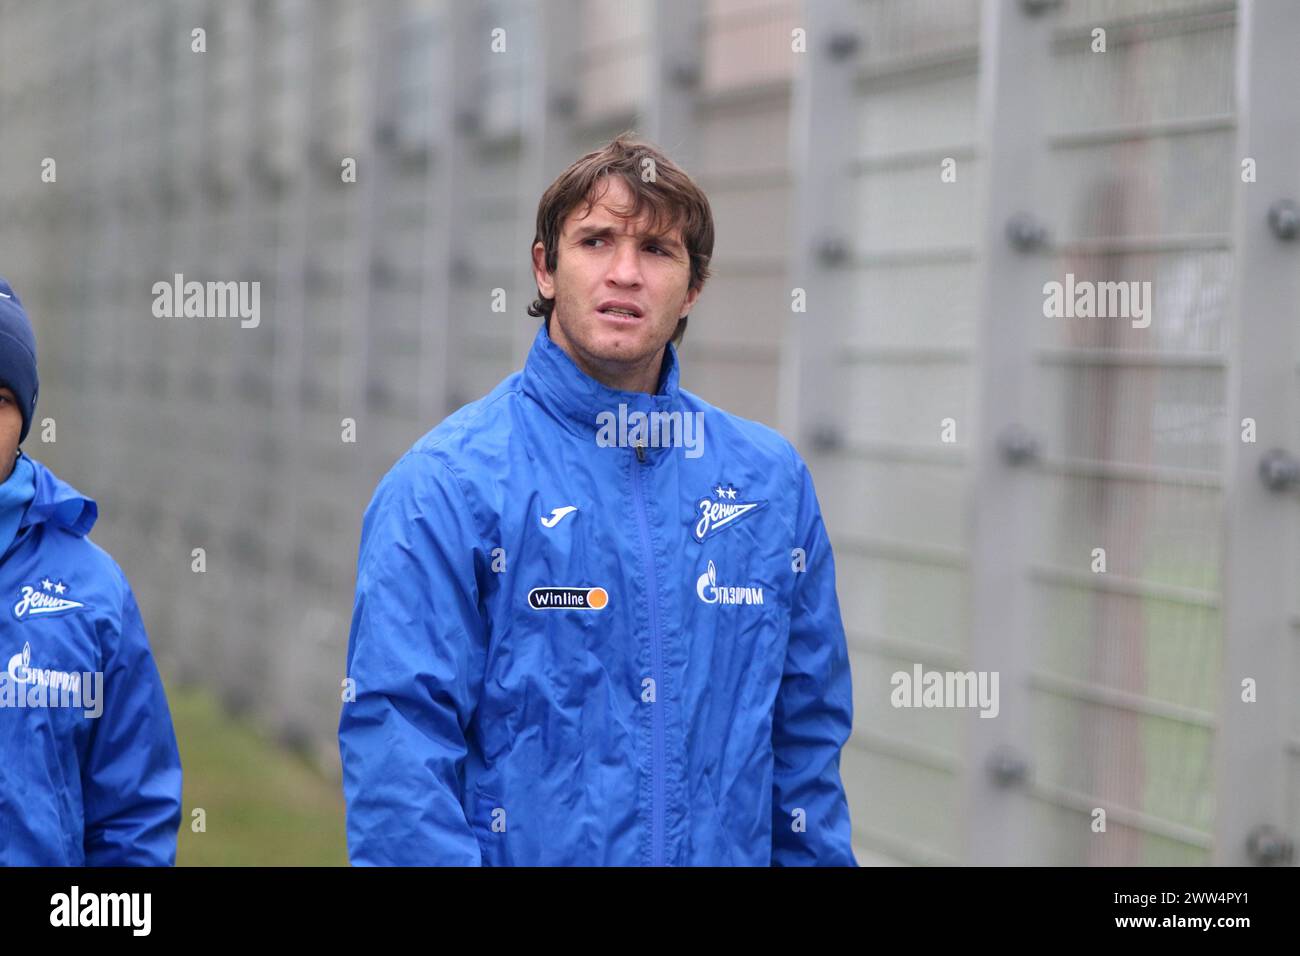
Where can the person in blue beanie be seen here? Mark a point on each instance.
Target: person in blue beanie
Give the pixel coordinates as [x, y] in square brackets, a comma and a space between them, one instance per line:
[90, 773]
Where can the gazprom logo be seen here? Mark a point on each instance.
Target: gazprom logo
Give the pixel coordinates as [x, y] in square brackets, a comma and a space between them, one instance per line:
[708, 591]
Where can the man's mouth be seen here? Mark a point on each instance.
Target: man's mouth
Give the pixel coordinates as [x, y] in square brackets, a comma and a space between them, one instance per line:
[623, 310]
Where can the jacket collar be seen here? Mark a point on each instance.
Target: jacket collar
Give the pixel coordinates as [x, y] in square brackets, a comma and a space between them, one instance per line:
[56, 502]
[552, 379]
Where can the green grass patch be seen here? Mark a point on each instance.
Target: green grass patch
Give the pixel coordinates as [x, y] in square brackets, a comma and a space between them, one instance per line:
[265, 805]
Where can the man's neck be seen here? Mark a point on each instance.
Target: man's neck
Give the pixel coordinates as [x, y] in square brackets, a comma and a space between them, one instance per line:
[643, 377]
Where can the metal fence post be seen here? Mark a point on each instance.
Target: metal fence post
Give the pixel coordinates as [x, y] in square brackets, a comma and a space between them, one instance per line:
[1014, 48]
[1254, 748]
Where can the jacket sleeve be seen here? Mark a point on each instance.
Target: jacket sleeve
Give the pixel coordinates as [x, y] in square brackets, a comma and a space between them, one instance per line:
[813, 716]
[415, 656]
[131, 768]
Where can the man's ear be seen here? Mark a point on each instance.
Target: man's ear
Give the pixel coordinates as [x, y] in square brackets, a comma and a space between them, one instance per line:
[691, 296]
[545, 283]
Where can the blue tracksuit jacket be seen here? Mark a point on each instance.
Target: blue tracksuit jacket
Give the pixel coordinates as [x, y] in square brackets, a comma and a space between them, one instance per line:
[567, 651]
[74, 789]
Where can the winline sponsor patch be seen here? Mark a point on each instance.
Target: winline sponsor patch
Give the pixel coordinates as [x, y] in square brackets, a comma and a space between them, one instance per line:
[559, 599]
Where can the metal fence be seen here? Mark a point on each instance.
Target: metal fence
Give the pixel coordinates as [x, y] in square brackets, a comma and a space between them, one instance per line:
[1067, 501]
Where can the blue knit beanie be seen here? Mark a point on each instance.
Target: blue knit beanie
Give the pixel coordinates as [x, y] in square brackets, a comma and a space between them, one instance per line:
[17, 354]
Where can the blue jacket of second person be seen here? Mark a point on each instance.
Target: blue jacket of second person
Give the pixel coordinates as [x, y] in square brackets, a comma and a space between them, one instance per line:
[90, 773]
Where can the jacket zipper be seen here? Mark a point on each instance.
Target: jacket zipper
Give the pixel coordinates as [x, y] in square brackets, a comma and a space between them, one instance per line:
[656, 665]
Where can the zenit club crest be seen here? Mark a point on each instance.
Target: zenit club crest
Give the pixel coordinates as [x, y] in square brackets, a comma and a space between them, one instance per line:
[721, 510]
[47, 599]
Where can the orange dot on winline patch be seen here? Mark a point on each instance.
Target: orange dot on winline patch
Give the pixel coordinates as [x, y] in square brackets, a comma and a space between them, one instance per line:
[597, 597]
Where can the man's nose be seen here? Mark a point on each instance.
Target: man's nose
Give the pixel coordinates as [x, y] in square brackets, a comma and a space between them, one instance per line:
[625, 264]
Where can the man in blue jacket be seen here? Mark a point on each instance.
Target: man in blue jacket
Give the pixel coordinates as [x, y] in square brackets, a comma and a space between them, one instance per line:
[89, 769]
[595, 618]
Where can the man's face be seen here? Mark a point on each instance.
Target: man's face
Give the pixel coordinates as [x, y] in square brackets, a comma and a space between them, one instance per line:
[603, 259]
[11, 426]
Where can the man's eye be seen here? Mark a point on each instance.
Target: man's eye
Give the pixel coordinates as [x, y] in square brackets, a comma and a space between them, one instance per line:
[659, 249]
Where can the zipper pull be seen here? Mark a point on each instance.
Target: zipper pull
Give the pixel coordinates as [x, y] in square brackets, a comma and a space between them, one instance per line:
[640, 452]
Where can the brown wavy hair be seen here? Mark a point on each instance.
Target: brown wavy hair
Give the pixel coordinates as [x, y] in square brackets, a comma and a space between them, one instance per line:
[672, 197]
